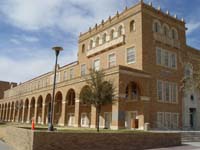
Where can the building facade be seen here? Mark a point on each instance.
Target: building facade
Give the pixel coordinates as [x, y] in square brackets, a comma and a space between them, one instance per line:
[144, 52]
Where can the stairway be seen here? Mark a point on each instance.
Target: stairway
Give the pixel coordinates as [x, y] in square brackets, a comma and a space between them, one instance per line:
[190, 136]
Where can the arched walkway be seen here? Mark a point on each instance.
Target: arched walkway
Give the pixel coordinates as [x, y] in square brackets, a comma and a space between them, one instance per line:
[39, 110]
[20, 108]
[58, 107]
[12, 111]
[32, 108]
[47, 108]
[26, 110]
[70, 98]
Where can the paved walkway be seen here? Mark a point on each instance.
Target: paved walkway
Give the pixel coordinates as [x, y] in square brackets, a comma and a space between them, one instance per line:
[4, 146]
[185, 146]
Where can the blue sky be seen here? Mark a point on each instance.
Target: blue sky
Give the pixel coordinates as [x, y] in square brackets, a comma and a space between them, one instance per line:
[29, 28]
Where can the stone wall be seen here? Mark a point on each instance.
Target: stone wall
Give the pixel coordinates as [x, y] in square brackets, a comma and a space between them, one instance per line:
[18, 138]
[22, 139]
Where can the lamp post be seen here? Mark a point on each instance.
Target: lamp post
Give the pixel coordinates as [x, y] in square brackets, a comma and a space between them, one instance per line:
[57, 51]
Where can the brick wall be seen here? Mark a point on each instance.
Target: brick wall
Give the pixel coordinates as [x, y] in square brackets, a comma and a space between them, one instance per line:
[22, 139]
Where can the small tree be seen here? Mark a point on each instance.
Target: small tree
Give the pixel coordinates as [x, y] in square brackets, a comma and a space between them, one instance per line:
[98, 93]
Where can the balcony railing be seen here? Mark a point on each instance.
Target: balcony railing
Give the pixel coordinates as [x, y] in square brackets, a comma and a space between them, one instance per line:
[118, 41]
[163, 39]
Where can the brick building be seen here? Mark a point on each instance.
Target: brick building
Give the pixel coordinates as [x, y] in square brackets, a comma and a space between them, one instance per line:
[144, 52]
[5, 86]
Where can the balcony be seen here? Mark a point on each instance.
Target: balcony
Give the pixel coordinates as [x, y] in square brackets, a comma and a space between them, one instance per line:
[108, 45]
[163, 39]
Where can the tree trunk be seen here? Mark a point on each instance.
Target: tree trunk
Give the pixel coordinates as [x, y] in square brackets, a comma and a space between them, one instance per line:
[98, 117]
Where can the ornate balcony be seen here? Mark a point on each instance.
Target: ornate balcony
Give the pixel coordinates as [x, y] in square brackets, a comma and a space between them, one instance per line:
[163, 39]
[108, 45]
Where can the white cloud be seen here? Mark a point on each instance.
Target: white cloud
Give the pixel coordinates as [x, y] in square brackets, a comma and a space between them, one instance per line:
[68, 15]
[20, 70]
[193, 26]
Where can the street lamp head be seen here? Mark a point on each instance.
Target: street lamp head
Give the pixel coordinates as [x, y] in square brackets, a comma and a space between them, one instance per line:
[57, 49]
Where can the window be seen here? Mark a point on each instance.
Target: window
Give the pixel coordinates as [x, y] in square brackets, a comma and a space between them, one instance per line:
[167, 120]
[104, 38]
[83, 48]
[160, 90]
[156, 27]
[112, 35]
[132, 26]
[97, 41]
[174, 34]
[188, 70]
[96, 65]
[65, 75]
[57, 77]
[130, 55]
[167, 92]
[71, 73]
[166, 58]
[91, 44]
[166, 30]
[83, 69]
[120, 30]
[160, 119]
[132, 91]
[111, 60]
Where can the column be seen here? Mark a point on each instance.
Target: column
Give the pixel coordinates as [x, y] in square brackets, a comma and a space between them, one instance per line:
[63, 117]
[93, 116]
[43, 113]
[29, 113]
[0, 114]
[23, 113]
[77, 107]
[35, 114]
[6, 114]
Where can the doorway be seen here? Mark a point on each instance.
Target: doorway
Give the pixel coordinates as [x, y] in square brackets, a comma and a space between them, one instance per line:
[107, 117]
[192, 117]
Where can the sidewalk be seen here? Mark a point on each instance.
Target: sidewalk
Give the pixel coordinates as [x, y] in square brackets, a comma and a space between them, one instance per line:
[185, 146]
[4, 146]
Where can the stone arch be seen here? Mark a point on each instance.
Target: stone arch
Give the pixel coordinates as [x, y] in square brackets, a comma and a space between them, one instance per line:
[47, 108]
[132, 91]
[86, 87]
[26, 109]
[32, 108]
[71, 95]
[58, 107]
[157, 26]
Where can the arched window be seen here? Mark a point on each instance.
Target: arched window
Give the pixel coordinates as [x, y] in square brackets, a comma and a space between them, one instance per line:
[132, 25]
[157, 27]
[104, 38]
[166, 30]
[97, 41]
[91, 44]
[132, 91]
[112, 34]
[120, 31]
[83, 48]
[174, 34]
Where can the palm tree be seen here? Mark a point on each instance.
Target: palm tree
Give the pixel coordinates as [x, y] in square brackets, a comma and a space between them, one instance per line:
[99, 92]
